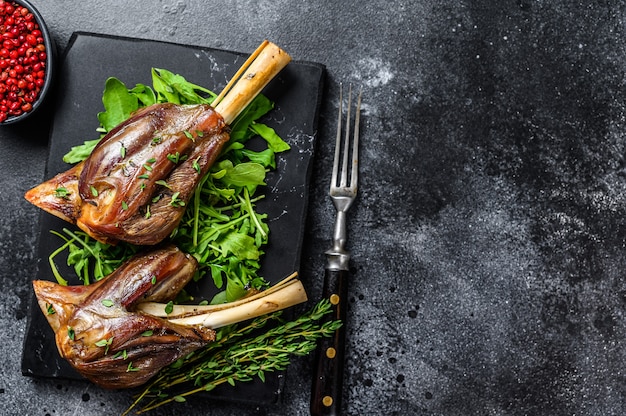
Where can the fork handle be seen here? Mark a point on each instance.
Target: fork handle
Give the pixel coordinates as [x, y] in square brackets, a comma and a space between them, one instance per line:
[329, 358]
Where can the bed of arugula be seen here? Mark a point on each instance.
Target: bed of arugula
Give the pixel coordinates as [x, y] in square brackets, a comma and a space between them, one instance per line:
[222, 229]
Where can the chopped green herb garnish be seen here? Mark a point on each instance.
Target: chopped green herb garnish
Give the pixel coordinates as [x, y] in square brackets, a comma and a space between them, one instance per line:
[176, 202]
[62, 192]
[50, 309]
[122, 354]
[106, 343]
[131, 368]
[70, 333]
[169, 307]
[107, 302]
[94, 191]
[147, 333]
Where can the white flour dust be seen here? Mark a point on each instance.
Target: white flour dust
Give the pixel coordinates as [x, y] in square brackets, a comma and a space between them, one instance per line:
[373, 72]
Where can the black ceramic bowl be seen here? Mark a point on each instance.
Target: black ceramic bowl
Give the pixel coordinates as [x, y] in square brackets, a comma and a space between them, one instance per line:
[21, 68]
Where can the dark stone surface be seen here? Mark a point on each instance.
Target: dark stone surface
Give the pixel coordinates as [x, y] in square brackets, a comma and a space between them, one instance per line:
[489, 238]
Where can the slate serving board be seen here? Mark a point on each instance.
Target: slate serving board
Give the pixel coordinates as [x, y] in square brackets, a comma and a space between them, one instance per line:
[88, 61]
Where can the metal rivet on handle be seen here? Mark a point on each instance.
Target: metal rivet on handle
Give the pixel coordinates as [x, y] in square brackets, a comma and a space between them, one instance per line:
[334, 299]
[327, 401]
[331, 352]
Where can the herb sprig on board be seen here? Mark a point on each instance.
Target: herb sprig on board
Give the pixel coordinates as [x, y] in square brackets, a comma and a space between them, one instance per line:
[221, 226]
[240, 354]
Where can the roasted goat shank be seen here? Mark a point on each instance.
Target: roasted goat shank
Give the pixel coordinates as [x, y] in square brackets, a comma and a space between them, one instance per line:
[136, 183]
[98, 331]
[118, 333]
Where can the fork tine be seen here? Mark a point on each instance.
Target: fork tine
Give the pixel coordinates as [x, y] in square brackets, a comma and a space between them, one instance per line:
[346, 146]
[355, 145]
[333, 181]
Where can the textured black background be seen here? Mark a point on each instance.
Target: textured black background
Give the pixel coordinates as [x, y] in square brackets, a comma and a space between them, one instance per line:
[488, 241]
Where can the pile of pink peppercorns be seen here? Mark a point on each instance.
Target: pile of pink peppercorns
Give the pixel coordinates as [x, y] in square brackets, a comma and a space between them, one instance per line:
[23, 57]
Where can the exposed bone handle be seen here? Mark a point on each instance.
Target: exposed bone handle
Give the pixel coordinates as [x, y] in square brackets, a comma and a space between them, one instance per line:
[284, 294]
[263, 65]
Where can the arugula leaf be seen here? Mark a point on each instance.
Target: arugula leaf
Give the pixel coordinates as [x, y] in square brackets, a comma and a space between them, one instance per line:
[164, 90]
[144, 94]
[241, 245]
[242, 174]
[273, 140]
[265, 158]
[173, 88]
[260, 106]
[119, 104]
[234, 290]
[216, 274]
[80, 152]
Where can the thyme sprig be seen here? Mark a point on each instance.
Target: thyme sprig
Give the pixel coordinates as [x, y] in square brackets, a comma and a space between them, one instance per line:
[239, 355]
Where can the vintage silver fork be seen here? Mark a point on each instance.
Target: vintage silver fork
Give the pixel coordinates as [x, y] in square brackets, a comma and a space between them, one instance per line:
[327, 385]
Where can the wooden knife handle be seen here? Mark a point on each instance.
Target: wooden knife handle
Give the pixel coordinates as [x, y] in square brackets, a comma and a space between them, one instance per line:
[329, 359]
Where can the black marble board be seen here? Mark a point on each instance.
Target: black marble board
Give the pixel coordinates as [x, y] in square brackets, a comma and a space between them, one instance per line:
[88, 61]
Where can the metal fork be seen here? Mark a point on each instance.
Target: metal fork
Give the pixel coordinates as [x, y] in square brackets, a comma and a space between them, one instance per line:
[327, 385]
